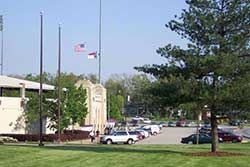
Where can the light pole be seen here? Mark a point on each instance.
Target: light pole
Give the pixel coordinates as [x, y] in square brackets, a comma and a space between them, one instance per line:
[41, 81]
[59, 83]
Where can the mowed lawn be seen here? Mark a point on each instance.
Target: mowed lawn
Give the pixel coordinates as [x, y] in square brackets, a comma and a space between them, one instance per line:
[120, 156]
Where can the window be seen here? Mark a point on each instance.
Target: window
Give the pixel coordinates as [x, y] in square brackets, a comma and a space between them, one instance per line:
[121, 133]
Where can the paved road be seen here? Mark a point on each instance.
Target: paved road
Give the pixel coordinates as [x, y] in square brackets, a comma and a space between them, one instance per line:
[169, 136]
[245, 132]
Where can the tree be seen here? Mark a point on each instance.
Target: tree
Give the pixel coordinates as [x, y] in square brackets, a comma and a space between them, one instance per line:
[133, 86]
[73, 103]
[214, 68]
[115, 106]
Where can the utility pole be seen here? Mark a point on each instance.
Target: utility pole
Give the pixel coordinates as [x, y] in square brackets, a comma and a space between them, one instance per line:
[41, 81]
[59, 83]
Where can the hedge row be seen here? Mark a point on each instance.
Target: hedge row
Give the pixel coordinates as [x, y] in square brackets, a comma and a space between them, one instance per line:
[66, 136]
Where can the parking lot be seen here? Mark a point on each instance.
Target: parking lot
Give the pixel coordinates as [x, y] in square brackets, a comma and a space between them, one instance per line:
[169, 136]
[173, 135]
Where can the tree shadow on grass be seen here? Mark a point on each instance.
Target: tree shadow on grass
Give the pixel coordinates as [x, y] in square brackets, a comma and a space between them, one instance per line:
[106, 149]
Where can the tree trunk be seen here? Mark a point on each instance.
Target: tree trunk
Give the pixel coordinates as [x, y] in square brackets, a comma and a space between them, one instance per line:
[214, 132]
[197, 129]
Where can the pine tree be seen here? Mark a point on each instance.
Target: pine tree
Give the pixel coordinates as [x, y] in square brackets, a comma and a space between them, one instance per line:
[214, 68]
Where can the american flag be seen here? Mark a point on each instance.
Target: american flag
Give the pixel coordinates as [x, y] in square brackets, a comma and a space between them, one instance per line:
[92, 55]
[79, 48]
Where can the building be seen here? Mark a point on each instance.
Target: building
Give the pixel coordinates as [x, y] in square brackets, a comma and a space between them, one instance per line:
[12, 108]
[96, 104]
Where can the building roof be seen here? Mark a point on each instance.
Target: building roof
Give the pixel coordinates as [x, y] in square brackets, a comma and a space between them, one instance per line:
[10, 82]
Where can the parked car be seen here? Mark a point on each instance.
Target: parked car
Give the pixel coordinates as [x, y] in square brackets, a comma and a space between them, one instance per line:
[163, 124]
[139, 134]
[154, 129]
[146, 121]
[235, 122]
[137, 118]
[203, 138]
[144, 133]
[180, 123]
[134, 123]
[171, 124]
[189, 124]
[119, 137]
[229, 136]
[147, 130]
[207, 129]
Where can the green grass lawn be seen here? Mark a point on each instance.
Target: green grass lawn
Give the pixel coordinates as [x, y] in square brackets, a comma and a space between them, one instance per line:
[120, 155]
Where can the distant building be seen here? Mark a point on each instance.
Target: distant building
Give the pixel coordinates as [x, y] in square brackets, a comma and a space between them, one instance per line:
[96, 104]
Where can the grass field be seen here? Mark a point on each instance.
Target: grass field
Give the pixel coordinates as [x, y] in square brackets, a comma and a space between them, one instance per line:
[120, 156]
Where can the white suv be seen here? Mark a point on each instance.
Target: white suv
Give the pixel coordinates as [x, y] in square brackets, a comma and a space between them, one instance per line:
[119, 137]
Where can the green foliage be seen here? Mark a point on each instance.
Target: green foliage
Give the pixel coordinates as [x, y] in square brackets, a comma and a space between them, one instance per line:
[134, 87]
[73, 107]
[116, 105]
[214, 69]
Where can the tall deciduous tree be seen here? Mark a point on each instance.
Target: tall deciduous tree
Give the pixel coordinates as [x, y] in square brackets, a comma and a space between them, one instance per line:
[214, 68]
[73, 102]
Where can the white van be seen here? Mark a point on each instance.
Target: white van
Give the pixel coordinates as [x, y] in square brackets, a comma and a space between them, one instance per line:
[154, 129]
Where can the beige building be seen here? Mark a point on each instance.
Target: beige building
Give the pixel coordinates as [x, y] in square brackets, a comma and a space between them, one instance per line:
[96, 104]
[12, 108]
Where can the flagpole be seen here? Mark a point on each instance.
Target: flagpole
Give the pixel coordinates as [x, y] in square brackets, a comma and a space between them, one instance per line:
[41, 80]
[100, 43]
[1, 29]
[59, 83]
[2, 54]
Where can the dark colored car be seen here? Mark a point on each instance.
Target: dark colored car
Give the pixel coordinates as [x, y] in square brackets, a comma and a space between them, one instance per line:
[203, 138]
[229, 136]
[235, 122]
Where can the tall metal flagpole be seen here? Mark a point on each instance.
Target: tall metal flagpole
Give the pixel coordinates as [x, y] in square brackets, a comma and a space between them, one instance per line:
[59, 84]
[1, 29]
[100, 43]
[41, 81]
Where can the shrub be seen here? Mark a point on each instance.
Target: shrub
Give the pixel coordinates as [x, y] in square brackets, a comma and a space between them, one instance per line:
[6, 139]
[65, 136]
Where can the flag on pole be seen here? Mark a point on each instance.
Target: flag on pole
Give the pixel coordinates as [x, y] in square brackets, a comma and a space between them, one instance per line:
[1, 22]
[79, 48]
[92, 55]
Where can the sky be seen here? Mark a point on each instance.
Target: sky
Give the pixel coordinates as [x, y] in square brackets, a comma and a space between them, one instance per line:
[132, 31]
